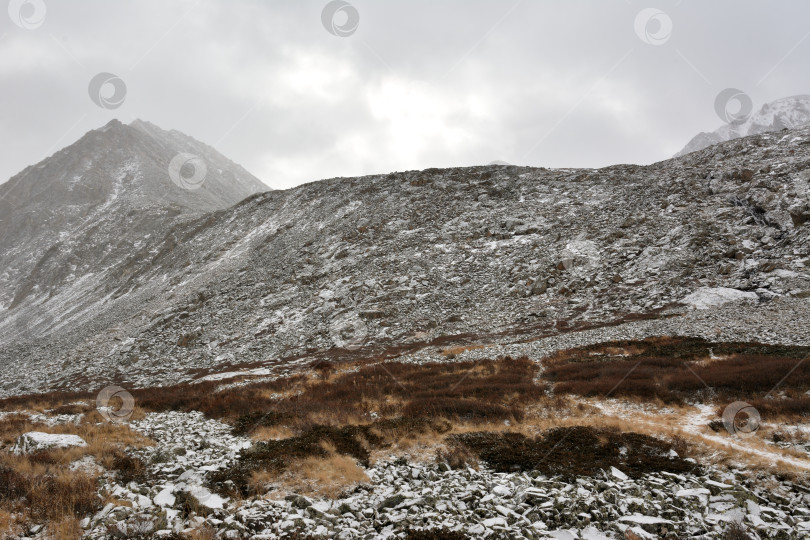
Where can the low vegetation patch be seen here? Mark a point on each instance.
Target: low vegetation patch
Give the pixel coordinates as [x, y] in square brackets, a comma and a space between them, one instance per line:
[737, 531]
[10, 527]
[44, 492]
[313, 433]
[329, 413]
[332, 476]
[678, 370]
[128, 468]
[435, 534]
[575, 451]
[465, 391]
[189, 505]
[41, 486]
[268, 459]
[247, 423]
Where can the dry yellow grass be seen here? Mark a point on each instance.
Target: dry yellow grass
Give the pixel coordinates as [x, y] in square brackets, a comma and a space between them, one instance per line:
[204, 532]
[753, 452]
[103, 440]
[66, 528]
[667, 422]
[420, 447]
[94, 417]
[462, 348]
[92, 428]
[327, 477]
[53, 492]
[22, 464]
[623, 351]
[9, 526]
[12, 426]
[117, 502]
[50, 491]
[336, 473]
[272, 433]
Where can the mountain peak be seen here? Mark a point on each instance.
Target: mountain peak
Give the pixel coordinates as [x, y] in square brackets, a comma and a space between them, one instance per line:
[118, 177]
[144, 125]
[115, 122]
[788, 112]
[146, 152]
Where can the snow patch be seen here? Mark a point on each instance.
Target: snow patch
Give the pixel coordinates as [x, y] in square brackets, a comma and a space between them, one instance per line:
[710, 297]
[234, 374]
[37, 440]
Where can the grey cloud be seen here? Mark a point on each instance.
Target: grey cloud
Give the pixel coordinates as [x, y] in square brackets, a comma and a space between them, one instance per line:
[419, 84]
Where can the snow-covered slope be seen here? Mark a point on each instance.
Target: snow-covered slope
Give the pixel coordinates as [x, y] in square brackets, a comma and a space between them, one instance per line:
[786, 113]
[89, 206]
[390, 264]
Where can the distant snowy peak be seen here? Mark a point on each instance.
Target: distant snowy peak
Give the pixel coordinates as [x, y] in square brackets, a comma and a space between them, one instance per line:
[789, 112]
[783, 113]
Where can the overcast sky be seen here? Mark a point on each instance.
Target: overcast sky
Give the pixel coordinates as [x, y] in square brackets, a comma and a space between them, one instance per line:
[415, 84]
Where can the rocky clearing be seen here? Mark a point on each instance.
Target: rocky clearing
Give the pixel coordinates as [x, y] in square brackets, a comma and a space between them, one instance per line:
[425, 481]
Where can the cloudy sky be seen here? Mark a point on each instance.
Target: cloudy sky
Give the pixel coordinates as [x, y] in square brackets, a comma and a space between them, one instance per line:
[413, 84]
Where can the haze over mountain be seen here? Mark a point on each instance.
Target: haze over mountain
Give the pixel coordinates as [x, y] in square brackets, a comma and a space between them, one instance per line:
[91, 205]
[786, 113]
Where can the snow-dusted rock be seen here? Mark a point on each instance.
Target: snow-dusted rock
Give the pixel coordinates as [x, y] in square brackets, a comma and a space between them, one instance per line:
[206, 498]
[37, 440]
[617, 474]
[165, 497]
[494, 522]
[710, 297]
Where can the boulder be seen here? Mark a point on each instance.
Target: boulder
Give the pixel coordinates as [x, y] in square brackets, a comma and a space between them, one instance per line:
[708, 297]
[34, 441]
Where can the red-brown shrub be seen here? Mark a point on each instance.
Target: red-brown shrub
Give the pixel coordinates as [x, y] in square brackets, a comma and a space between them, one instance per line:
[679, 369]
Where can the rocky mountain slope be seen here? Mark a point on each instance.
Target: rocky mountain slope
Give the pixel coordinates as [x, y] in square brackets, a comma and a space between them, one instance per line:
[91, 205]
[786, 113]
[496, 272]
[480, 503]
[395, 264]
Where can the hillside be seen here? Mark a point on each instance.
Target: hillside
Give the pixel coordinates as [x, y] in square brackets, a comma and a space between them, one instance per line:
[90, 206]
[440, 354]
[402, 262]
